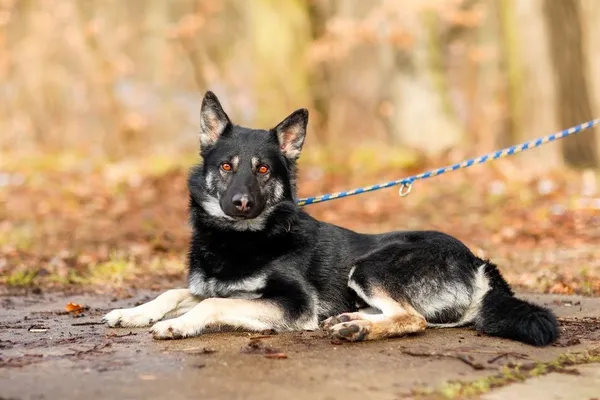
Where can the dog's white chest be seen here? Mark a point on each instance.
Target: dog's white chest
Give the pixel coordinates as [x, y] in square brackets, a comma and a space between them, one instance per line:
[247, 288]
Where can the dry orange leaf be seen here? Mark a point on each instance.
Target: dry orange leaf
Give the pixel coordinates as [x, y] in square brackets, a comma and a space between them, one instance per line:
[74, 308]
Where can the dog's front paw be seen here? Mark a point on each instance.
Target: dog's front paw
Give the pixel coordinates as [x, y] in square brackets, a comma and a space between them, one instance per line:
[131, 317]
[174, 329]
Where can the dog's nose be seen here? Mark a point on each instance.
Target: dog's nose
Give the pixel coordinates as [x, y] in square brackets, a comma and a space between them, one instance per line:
[242, 202]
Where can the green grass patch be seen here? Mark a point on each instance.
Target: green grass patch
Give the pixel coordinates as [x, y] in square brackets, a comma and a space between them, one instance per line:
[21, 278]
[514, 374]
[114, 272]
[20, 237]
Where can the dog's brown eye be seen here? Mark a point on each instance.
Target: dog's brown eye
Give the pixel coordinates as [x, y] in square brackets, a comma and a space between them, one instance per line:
[226, 167]
[263, 169]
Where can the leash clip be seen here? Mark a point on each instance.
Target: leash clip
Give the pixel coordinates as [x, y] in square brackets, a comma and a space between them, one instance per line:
[404, 189]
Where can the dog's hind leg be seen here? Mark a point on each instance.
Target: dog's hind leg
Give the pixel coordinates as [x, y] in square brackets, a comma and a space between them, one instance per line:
[171, 303]
[397, 318]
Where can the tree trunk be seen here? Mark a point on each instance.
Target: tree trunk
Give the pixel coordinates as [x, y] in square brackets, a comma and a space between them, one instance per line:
[531, 90]
[566, 49]
[590, 14]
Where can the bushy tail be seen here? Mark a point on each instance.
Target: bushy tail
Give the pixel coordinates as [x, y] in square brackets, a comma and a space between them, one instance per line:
[505, 316]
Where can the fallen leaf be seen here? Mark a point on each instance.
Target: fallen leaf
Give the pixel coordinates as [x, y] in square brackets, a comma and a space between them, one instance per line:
[75, 308]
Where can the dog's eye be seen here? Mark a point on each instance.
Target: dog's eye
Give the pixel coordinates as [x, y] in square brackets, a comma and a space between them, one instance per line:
[263, 169]
[226, 167]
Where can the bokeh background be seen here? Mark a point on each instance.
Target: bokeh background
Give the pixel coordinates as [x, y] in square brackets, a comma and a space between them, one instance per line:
[100, 111]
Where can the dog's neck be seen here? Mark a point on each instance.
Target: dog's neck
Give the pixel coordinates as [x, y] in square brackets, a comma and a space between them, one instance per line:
[230, 252]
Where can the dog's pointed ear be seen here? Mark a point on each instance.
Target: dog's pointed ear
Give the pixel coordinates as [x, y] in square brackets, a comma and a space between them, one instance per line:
[213, 120]
[291, 133]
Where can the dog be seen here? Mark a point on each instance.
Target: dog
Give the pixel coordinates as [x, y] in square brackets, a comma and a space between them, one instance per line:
[258, 262]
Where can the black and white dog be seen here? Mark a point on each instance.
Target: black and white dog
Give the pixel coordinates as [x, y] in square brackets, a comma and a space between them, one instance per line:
[257, 262]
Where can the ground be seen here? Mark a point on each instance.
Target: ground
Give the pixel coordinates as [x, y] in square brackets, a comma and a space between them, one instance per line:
[108, 235]
[48, 353]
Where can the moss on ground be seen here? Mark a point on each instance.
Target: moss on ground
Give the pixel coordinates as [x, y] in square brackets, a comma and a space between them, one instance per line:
[509, 374]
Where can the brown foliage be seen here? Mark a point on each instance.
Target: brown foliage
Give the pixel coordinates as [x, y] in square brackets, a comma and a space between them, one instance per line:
[101, 227]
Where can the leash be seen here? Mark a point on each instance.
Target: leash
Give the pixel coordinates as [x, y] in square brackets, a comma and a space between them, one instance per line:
[406, 183]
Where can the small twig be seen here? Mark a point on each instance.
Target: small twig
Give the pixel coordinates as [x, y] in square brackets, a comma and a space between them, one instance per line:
[498, 357]
[87, 323]
[512, 354]
[472, 364]
[95, 349]
[460, 357]
[257, 337]
[276, 356]
[114, 335]
[416, 354]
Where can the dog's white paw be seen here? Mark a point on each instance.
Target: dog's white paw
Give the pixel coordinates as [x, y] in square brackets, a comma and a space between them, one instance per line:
[131, 317]
[177, 328]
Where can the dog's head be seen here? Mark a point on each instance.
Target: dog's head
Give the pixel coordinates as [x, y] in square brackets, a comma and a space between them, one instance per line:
[246, 173]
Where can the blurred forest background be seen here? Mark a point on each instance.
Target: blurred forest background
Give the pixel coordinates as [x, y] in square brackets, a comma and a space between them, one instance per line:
[100, 111]
[116, 77]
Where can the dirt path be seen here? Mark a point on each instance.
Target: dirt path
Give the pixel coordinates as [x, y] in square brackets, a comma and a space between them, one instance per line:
[64, 357]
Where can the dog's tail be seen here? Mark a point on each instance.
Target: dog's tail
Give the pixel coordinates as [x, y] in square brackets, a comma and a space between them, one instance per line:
[501, 314]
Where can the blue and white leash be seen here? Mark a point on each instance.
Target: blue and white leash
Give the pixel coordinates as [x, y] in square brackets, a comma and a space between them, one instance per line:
[407, 182]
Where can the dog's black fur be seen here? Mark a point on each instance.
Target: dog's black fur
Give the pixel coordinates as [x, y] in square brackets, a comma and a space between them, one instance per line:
[306, 260]
[252, 242]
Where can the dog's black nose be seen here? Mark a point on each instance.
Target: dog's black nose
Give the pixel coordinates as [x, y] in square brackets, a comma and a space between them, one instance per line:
[242, 202]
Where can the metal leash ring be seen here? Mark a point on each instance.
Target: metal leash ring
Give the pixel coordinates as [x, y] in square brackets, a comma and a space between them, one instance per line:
[404, 189]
